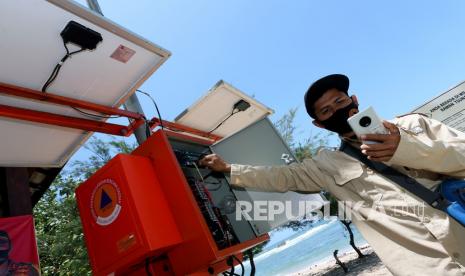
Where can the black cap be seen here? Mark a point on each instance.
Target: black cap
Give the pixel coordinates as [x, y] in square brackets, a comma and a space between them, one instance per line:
[318, 88]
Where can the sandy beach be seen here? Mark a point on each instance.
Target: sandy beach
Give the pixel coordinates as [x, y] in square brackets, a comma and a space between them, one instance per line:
[370, 265]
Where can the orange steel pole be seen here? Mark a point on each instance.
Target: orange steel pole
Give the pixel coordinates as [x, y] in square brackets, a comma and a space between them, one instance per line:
[16, 91]
[179, 127]
[66, 121]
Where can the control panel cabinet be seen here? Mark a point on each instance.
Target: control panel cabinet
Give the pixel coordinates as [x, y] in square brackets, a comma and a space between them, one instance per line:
[201, 202]
[157, 208]
[214, 195]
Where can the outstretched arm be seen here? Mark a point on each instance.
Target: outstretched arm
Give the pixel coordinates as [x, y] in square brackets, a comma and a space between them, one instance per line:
[305, 176]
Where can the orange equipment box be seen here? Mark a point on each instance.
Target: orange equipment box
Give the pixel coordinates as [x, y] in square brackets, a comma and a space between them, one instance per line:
[198, 252]
[140, 217]
[125, 216]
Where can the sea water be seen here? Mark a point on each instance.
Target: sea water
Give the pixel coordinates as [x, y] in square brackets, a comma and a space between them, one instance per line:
[303, 249]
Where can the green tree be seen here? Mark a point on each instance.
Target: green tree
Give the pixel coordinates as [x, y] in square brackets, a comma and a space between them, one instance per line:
[301, 149]
[58, 227]
[59, 231]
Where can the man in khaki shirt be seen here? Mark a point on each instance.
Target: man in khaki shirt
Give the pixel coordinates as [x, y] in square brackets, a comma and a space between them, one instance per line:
[409, 236]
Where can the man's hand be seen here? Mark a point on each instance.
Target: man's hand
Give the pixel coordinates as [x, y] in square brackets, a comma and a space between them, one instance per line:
[215, 163]
[387, 146]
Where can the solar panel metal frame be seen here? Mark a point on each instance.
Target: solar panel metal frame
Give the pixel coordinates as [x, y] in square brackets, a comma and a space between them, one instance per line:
[30, 48]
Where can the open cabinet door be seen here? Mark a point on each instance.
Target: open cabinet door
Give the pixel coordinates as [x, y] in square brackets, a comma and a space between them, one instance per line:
[261, 144]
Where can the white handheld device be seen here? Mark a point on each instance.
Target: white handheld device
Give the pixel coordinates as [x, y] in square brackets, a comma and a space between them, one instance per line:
[367, 122]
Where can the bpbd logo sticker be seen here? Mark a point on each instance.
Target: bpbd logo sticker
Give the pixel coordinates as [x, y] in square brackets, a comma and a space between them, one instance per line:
[105, 202]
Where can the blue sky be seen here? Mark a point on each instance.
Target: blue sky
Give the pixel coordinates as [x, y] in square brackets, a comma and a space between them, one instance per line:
[397, 54]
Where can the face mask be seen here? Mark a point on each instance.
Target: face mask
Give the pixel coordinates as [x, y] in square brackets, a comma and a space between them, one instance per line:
[338, 121]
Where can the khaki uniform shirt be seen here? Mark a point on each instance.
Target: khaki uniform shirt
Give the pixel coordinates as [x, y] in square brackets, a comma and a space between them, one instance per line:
[409, 236]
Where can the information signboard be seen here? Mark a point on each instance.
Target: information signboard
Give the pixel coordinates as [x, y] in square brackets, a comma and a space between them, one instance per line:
[448, 107]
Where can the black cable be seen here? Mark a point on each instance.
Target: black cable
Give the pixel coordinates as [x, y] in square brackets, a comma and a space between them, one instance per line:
[155, 104]
[242, 265]
[231, 263]
[227, 273]
[57, 68]
[51, 78]
[75, 52]
[252, 264]
[95, 115]
[55, 73]
[148, 131]
[235, 111]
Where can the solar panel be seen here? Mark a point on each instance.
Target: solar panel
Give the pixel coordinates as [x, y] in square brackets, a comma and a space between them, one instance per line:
[216, 105]
[31, 46]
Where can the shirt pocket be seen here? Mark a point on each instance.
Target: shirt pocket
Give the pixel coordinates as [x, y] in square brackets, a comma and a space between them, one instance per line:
[349, 172]
[341, 167]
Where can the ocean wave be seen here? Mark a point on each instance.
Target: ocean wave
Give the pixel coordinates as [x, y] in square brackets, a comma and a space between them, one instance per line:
[290, 243]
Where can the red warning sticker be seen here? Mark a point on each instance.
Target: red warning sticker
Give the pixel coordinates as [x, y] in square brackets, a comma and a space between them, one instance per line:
[123, 53]
[105, 202]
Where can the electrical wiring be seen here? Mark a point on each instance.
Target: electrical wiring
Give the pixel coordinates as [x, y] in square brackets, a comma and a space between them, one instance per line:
[55, 73]
[251, 261]
[241, 264]
[235, 111]
[155, 104]
[148, 131]
[198, 171]
[239, 106]
[57, 68]
[94, 115]
[207, 182]
[231, 263]
[227, 273]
